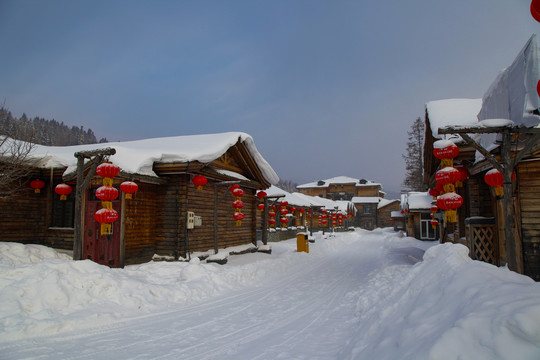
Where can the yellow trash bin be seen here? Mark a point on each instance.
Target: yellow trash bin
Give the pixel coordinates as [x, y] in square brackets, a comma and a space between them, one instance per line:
[302, 243]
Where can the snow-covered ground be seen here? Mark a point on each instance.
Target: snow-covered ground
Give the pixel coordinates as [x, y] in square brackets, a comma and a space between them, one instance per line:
[357, 295]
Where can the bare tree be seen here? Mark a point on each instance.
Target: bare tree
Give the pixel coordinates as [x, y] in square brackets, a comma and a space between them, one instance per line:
[15, 163]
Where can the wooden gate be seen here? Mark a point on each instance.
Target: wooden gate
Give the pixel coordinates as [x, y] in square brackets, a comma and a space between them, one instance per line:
[103, 249]
[482, 240]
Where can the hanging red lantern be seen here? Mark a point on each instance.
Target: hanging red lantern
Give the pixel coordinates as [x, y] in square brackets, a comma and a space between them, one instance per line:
[449, 203]
[235, 186]
[37, 185]
[433, 192]
[272, 214]
[446, 151]
[261, 207]
[434, 223]
[105, 217]
[199, 181]
[284, 203]
[272, 222]
[302, 211]
[129, 188]
[284, 221]
[434, 209]
[63, 190]
[535, 10]
[107, 171]
[447, 177]
[261, 194]
[238, 216]
[238, 193]
[463, 175]
[106, 194]
[283, 211]
[495, 178]
[238, 204]
[293, 210]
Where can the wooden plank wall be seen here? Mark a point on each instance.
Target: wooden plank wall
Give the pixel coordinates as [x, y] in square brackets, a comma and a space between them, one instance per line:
[144, 229]
[201, 202]
[529, 207]
[24, 218]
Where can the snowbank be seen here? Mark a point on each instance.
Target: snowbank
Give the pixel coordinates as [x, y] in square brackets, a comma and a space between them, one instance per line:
[448, 307]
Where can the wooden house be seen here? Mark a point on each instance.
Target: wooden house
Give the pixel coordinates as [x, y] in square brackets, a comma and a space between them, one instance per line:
[385, 208]
[500, 228]
[416, 209]
[168, 215]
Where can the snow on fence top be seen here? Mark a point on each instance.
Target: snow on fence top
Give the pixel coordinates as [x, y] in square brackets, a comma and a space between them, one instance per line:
[138, 157]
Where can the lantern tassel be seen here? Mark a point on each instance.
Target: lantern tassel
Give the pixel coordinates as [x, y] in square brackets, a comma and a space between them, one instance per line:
[238, 222]
[107, 205]
[105, 229]
[450, 216]
[499, 190]
[447, 163]
[107, 181]
[63, 197]
[128, 196]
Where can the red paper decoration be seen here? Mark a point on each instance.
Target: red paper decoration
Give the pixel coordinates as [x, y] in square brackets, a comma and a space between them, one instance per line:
[449, 203]
[37, 185]
[63, 190]
[129, 187]
[199, 181]
[105, 217]
[261, 194]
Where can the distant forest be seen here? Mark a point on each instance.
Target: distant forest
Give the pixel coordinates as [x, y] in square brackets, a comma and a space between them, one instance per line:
[45, 132]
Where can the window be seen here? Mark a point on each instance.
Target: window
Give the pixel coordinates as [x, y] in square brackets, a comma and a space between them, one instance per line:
[63, 211]
[367, 209]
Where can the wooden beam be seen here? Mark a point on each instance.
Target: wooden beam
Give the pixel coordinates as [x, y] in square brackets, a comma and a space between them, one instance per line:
[483, 151]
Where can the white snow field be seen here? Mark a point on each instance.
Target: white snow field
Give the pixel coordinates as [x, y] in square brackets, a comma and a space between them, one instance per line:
[356, 295]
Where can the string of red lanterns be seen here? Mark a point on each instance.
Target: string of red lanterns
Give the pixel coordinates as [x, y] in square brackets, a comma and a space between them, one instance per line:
[238, 204]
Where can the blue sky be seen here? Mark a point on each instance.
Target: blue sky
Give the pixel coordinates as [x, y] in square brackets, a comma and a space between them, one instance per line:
[326, 88]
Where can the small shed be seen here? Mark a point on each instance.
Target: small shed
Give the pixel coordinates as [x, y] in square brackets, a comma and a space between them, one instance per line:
[418, 216]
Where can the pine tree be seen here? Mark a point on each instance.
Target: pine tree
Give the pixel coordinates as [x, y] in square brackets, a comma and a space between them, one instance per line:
[414, 159]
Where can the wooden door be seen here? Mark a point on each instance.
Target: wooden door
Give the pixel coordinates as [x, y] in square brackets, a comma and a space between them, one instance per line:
[103, 249]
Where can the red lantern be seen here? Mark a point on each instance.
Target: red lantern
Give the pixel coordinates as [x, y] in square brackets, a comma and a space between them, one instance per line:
[434, 223]
[106, 217]
[63, 190]
[261, 207]
[447, 177]
[446, 151]
[106, 194]
[293, 210]
[535, 10]
[449, 151]
[272, 222]
[129, 187]
[495, 178]
[284, 203]
[238, 204]
[107, 171]
[261, 194]
[463, 175]
[283, 211]
[434, 193]
[302, 211]
[238, 216]
[434, 209]
[37, 185]
[449, 203]
[235, 186]
[199, 181]
[238, 193]
[284, 221]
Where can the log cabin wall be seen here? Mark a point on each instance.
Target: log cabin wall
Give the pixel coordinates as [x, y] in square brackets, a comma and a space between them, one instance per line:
[528, 215]
[145, 225]
[201, 202]
[24, 217]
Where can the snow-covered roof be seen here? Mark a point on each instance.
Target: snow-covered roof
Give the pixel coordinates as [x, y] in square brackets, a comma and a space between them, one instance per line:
[419, 200]
[513, 94]
[291, 198]
[138, 157]
[341, 205]
[396, 214]
[447, 112]
[338, 180]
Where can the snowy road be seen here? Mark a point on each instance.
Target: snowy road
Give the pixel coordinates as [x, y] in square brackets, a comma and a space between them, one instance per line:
[361, 295]
[309, 310]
